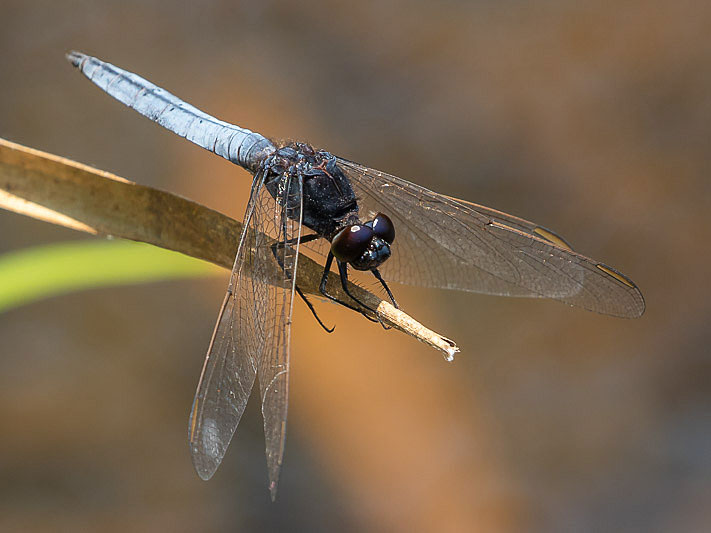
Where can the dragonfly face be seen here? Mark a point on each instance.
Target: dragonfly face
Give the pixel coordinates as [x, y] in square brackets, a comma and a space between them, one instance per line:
[365, 246]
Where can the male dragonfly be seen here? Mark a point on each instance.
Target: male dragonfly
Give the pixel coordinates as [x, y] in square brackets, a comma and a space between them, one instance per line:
[354, 213]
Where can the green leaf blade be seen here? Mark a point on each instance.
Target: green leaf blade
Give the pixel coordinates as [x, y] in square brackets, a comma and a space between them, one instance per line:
[42, 272]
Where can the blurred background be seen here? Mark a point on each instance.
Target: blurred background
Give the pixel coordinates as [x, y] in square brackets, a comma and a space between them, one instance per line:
[591, 119]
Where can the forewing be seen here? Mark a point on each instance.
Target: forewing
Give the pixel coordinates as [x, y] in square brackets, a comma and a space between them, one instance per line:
[281, 219]
[232, 358]
[448, 243]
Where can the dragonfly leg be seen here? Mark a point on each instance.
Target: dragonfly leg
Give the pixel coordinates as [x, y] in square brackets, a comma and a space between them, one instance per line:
[313, 311]
[322, 290]
[306, 238]
[377, 275]
[343, 271]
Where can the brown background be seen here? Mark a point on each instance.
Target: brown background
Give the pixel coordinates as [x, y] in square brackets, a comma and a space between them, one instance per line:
[593, 120]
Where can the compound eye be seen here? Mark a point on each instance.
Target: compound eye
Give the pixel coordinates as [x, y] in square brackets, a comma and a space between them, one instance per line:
[350, 243]
[384, 228]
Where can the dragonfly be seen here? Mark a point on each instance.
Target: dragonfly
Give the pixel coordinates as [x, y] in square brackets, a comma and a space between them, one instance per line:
[359, 218]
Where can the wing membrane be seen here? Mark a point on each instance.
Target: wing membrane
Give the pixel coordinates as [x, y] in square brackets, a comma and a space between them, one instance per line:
[448, 243]
[252, 334]
[283, 220]
[232, 358]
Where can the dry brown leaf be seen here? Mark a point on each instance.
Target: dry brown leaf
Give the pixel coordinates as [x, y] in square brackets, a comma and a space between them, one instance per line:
[63, 192]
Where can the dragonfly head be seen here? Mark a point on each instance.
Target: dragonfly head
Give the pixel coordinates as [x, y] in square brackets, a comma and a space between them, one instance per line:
[365, 246]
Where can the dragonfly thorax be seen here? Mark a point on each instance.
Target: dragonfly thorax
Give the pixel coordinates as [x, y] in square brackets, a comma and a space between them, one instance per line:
[329, 202]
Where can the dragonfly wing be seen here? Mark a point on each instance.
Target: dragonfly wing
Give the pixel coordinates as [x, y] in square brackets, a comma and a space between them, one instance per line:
[449, 243]
[282, 219]
[231, 363]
